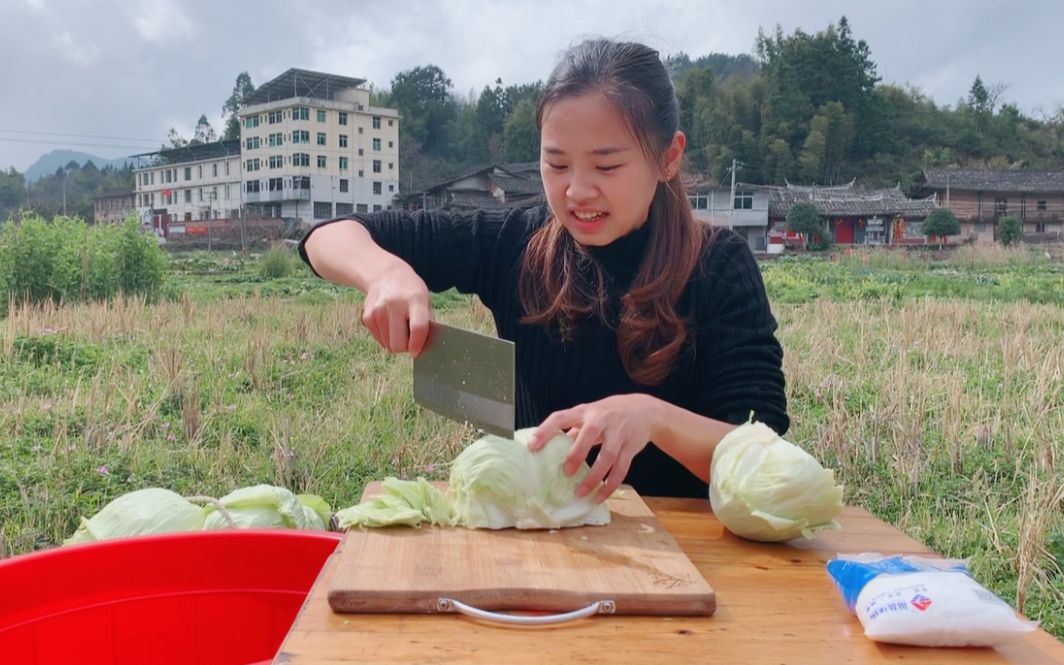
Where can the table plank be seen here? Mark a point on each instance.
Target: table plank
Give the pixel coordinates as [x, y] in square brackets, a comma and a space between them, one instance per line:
[776, 605]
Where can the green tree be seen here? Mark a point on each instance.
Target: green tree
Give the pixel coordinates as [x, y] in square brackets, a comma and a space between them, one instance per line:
[803, 218]
[242, 90]
[12, 192]
[520, 134]
[423, 97]
[940, 223]
[203, 133]
[1009, 231]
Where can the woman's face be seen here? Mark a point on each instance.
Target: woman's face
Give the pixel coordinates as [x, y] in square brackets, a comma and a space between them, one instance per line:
[598, 182]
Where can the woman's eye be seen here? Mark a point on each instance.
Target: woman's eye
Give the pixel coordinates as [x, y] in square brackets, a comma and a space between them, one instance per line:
[607, 169]
[556, 167]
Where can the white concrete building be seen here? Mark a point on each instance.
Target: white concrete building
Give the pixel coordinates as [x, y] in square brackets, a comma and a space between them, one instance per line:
[196, 182]
[312, 147]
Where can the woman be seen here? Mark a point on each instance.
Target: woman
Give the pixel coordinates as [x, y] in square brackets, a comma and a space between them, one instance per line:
[643, 333]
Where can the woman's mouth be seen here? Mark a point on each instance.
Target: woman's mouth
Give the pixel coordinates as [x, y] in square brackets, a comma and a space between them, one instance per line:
[588, 222]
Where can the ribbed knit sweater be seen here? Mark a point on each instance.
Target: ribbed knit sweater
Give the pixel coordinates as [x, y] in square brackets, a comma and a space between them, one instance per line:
[731, 367]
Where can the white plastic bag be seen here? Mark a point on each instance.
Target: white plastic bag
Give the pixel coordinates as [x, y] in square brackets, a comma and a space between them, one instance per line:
[924, 602]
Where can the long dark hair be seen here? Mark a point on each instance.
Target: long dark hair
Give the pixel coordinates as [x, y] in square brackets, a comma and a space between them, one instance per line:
[650, 332]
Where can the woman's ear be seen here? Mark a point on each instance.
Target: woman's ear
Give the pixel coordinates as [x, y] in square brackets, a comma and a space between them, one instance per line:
[674, 156]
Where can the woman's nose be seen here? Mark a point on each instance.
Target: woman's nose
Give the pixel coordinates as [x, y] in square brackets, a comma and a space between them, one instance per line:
[580, 188]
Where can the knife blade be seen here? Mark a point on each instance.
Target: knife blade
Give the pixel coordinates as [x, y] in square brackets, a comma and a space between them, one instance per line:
[467, 377]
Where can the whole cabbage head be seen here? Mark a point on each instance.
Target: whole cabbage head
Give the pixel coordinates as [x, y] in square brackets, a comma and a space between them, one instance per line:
[145, 511]
[765, 488]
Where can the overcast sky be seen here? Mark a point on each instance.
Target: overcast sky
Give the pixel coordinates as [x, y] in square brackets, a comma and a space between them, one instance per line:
[131, 70]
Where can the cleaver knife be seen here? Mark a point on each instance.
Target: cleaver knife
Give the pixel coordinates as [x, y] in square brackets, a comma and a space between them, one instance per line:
[468, 377]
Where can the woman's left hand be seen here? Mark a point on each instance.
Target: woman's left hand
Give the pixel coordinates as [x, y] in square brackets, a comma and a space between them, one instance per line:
[621, 425]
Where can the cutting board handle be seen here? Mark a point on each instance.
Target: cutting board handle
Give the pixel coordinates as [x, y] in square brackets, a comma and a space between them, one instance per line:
[597, 607]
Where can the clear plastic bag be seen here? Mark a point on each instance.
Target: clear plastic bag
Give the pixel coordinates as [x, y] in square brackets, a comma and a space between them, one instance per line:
[924, 602]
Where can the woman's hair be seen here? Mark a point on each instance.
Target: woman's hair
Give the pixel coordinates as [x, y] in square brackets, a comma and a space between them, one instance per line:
[552, 289]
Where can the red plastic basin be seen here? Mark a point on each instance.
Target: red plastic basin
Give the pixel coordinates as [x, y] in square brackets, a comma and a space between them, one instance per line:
[203, 598]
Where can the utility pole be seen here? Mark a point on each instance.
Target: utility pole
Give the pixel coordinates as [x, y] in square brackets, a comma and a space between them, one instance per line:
[731, 208]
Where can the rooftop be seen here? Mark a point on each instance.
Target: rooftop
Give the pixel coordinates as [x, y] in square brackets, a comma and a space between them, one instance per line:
[193, 153]
[995, 181]
[846, 200]
[302, 83]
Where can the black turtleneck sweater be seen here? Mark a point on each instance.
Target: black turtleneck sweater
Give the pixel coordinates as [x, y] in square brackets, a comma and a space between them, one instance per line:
[731, 368]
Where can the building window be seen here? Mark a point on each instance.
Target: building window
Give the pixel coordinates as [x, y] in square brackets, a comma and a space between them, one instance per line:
[201, 194]
[360, 130]
[251, 186]
[188, 173]
[391, 144]
[301, 182]
[275, 117]
[251, 121]
[344, 209]
[188, 196]
[321, 161]
[391, 166]
[344, 185]
[376, 188]
[1001, 206]
[391, 187]
[360, 173]
[322, 138]
[744, 201]
[227, 167]
[343, 118]
[322, 209]
[376, 145]
[251, 143]
[376, 166]
[227, 191]
[199, 171]
[252, 165]
[343, 163]
[274, 140]
[321, 115]
[360, 152]
[376, 122]
[275, 184]
[362, 207]
[300, 159]
[376, 207]
[276, 161]
[391, 122]
[301, 113]
[343, 140]
[301, 136]
[1042, 206]
[215, 165]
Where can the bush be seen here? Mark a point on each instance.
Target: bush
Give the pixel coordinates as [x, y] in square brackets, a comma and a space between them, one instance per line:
[941, 223]
[277, 262]
[68, 260]
[803, 218]
[1009, 231]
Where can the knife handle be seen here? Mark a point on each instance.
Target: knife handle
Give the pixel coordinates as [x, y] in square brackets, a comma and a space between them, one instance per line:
[597, 607]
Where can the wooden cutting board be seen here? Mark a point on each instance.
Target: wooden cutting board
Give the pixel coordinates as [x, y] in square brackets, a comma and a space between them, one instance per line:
[634, 561]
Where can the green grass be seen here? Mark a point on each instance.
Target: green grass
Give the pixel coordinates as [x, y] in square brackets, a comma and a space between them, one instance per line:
[933, 386]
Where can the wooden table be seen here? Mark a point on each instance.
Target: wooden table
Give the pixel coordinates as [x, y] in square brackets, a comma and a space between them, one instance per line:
[775, 605]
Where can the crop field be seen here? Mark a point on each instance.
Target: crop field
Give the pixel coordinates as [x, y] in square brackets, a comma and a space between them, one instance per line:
[932, 383]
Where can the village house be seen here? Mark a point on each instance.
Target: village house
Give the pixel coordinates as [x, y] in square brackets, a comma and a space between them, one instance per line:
[979, 199]
[113, 206]
[492, 186]
[854, 215]
[745, 211]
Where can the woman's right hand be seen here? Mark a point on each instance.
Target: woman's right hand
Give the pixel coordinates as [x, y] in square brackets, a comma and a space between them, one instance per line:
[397, 310]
